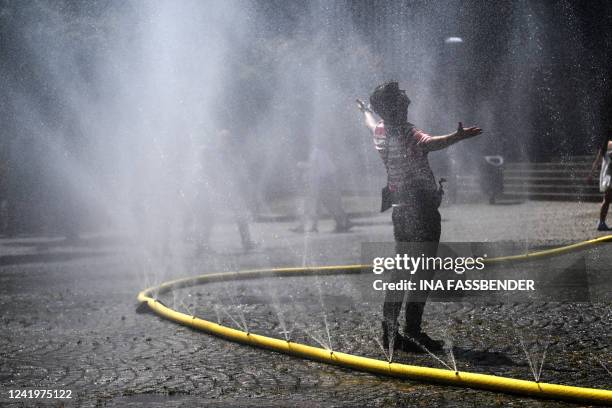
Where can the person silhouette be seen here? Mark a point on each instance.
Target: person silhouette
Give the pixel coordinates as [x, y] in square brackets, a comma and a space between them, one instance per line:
[415, 198]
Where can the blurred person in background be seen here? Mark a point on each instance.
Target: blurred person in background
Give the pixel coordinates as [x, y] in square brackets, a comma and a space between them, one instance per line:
[492, 176]
[221, 183]
[604, 158]
[322, 190]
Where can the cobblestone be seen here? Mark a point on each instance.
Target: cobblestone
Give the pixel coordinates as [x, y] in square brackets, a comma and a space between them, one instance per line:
[70, 322]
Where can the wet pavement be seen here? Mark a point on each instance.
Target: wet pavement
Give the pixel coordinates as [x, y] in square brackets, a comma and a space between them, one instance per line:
[69, 319]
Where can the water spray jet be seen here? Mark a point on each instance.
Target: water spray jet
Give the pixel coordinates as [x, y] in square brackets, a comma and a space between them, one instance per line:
[445, 376]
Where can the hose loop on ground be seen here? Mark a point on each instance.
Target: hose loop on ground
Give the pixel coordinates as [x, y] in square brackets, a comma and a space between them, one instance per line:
[427, 374]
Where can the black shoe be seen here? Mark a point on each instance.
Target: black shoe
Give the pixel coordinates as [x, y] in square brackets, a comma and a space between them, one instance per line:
[344, 228]
[417, 343]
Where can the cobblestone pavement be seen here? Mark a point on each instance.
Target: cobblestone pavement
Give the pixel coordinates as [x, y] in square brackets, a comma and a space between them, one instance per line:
[69, 320]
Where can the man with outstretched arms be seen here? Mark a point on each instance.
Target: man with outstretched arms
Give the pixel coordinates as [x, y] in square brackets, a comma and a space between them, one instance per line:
[412, 190]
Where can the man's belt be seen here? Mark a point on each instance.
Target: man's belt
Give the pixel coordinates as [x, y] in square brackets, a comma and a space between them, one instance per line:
[390, 198]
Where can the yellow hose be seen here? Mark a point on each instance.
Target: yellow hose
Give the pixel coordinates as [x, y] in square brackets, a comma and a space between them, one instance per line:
[459, 378]
[552, 251]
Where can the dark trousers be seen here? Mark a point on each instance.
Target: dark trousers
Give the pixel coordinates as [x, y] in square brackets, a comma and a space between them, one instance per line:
[417, 228]
[324, 193]
[332, 201]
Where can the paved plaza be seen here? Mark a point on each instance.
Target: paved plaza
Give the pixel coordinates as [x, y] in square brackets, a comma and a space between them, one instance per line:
[70, 320]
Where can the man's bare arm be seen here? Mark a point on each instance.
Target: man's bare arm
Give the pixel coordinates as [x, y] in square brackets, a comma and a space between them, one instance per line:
[441, 142]
[598, 158]
[595, 165]
[370, 120]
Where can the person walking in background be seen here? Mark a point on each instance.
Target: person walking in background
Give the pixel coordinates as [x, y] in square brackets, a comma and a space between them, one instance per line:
[415, 198]
[221, 183]
[492, 176]
[604, 157]
[322, 190]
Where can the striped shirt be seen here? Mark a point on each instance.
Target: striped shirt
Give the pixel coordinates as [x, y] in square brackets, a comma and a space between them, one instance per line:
[403, 150]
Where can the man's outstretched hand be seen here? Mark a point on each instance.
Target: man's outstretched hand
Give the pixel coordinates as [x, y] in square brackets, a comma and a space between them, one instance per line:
[466, 133]
[362, 106]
